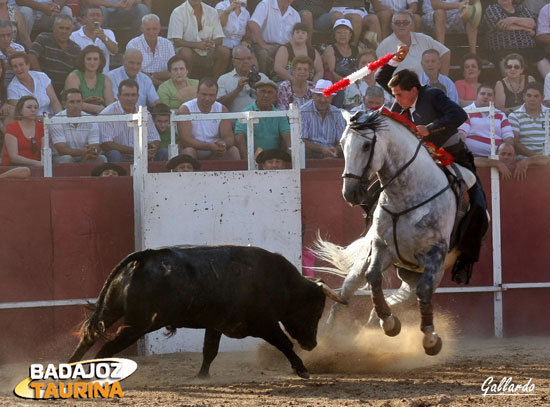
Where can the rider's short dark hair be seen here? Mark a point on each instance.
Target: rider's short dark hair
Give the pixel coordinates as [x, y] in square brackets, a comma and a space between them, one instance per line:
[405, 79]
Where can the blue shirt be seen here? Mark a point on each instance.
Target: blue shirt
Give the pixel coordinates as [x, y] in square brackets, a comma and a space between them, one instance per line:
[147, 93]
[325, 132]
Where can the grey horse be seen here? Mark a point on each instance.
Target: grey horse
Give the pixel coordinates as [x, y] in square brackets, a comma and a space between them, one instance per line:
[411, 227]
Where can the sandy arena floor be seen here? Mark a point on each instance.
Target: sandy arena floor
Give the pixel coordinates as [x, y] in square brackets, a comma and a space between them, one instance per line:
[364, 368]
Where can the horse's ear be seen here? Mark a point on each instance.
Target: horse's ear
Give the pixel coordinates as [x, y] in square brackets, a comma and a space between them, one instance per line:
[346, 115]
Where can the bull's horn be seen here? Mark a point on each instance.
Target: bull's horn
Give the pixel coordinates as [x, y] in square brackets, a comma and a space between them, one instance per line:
[330, 293]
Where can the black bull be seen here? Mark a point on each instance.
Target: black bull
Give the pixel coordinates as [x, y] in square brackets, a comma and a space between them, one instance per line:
[232, 290]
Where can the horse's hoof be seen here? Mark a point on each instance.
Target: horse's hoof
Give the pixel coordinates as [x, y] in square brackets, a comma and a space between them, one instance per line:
[304, 374]
[391, 326]
[436, 348]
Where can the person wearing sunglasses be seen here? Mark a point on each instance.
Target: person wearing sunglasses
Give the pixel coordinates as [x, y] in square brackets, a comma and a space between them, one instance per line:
[510, 90]
[417, 43]
[23, 140]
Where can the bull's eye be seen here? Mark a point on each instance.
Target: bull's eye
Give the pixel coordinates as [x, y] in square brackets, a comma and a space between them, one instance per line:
[366, 146]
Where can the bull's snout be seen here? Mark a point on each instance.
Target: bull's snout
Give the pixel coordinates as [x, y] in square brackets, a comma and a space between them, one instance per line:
[310, 345]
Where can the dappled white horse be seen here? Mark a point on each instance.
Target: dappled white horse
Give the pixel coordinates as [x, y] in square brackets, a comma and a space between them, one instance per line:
[412, 223]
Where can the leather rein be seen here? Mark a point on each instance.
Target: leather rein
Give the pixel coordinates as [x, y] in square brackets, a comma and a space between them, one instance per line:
[363, 180]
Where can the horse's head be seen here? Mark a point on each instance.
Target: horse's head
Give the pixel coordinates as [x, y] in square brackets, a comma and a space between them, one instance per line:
[363, 152]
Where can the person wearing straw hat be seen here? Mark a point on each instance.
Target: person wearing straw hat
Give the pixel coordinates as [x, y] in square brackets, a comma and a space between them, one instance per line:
[322, 124]
[442, 16]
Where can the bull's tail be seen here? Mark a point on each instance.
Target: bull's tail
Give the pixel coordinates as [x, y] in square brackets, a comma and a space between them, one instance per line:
[96, 325]
[341, 257]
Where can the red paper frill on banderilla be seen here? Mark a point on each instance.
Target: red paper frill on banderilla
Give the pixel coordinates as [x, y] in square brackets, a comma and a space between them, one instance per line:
[439, 154]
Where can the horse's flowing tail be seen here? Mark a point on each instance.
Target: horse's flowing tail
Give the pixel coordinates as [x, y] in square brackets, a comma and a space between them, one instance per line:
[341, 257]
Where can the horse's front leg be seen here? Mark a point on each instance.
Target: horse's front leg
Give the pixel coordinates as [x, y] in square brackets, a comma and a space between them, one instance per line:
[380, 261]
[433, 261]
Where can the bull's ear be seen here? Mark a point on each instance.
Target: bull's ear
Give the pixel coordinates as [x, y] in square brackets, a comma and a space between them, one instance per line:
[330, 293]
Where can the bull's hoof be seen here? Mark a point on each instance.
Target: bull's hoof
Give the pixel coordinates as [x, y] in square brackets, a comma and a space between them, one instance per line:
[304, 374]
[436, 348]
[391, 326]
[203, 375]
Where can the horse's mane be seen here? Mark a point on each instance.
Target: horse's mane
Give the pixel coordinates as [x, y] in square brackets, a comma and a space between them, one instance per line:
[367, 120]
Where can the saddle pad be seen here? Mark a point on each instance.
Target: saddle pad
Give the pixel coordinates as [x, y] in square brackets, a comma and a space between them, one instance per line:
[467, 175]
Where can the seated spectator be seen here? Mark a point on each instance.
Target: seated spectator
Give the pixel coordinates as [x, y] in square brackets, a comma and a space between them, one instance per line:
[417, 42]
[269, 132]
[543, 39]
[374, 99]
[161, 118]
[508, 164]
[18, 173]
[355, 12]
[23, 139]
[6, 110]
[202, 48]
[156, 50]
[183, 163]
[509, 91]
[385, 10]
[467, 88]
[54, 53]
[120, 13]
[108, 170]
[75, 142]
[273, 159]
[131, 69]
[207, 139]
[234, 20]
[340, 58]
[322, 125]
[509, 28]
[440, 16]
[40, 14]
[91, 33]
[237, 89]
[528, 122]
[431, 64]
[117, 138]
[95, 86]
[355, 93]
[12, 13]
[33, 83]
[476, 131]
[297, 46]
[179, 88]
[298, 89]
[317, 14]
[271, 27]
[8, 47]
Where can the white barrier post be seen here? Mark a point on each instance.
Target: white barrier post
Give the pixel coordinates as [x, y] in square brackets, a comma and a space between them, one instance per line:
[173, 147]
[46, 150]
[298, 151]
[140, 170]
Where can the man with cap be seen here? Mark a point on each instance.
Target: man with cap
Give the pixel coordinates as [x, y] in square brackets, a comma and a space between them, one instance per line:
[183, 163]
[322, 124]
[108, 170]
[273, 159]
[269, 132]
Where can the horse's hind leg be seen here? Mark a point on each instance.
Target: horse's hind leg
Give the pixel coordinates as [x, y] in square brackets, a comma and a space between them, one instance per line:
[433, 262]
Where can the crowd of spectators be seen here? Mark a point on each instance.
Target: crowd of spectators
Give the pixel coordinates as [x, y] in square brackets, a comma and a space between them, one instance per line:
[234, 56]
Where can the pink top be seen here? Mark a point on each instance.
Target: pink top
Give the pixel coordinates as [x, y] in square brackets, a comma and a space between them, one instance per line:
[465, 91]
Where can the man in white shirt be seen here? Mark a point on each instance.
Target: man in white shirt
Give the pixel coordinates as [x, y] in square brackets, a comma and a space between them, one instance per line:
[156, 50]
[91, 33]
[402, 23]
[75, 142]
[131, 69]
[476, 131]
[117, 138]
[431, 64]
[197, 35]
[271, 26]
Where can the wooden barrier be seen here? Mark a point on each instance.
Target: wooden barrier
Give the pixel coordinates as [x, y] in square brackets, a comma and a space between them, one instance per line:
[62, 236]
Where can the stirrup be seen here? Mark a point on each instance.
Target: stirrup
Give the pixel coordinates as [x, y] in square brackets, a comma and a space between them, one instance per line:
[462, 270]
